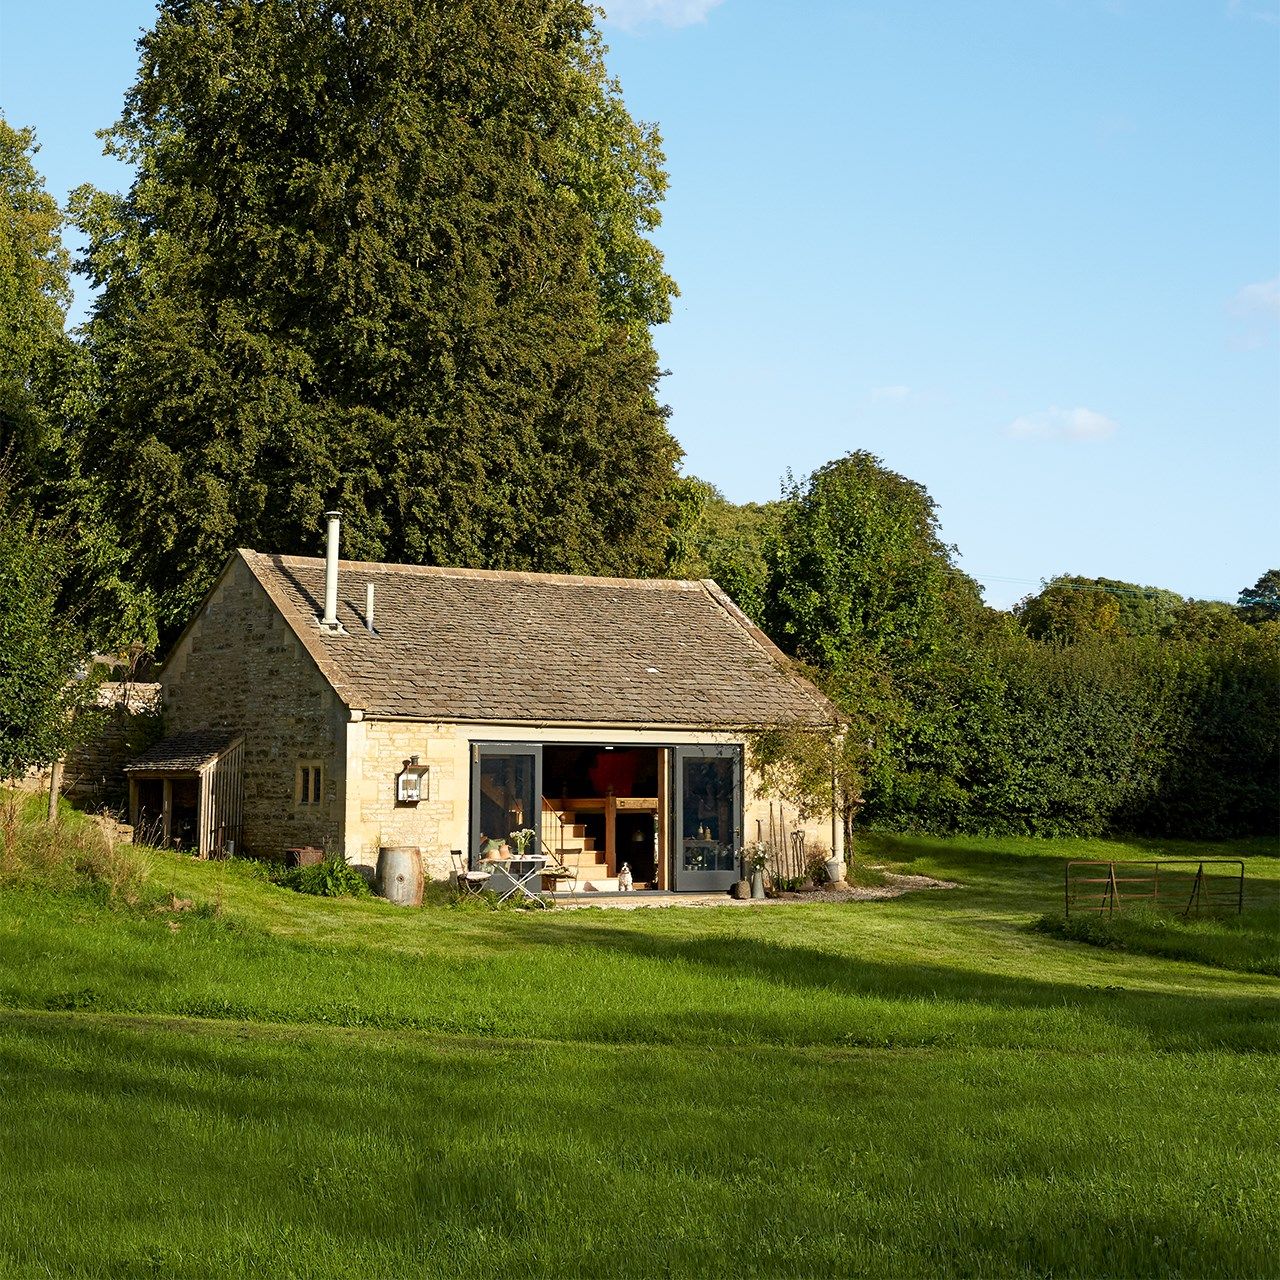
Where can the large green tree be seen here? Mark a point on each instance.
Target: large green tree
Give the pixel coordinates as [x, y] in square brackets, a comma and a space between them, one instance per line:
[1261, 602]
[857, 567]
[34, 295]
[46, 399]
[716, 538]
[1070, 608]
[861, 586]
[390, 255]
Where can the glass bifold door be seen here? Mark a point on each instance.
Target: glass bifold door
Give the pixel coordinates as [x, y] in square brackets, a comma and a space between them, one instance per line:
[506, 790]
[707, 816]
[705, 808]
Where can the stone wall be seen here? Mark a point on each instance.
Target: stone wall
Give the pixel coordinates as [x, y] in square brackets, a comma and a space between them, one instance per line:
[376, 752]
[764, 812]
[240, 667]
[127, 721]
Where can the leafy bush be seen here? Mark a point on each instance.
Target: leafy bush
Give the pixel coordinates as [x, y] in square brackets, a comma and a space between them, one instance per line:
[40, 648]
[332, 878]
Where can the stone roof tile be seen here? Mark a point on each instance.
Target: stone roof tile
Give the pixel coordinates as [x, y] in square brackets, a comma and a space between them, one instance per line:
[185, 752]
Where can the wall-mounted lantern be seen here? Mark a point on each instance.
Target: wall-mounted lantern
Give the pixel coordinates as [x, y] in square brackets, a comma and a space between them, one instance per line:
[411, 782]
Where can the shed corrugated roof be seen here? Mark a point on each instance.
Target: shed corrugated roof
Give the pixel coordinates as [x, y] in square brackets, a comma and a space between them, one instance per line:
[186, 752]
[482, 645]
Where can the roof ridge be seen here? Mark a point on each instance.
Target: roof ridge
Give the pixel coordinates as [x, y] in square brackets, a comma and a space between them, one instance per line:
[502, 575]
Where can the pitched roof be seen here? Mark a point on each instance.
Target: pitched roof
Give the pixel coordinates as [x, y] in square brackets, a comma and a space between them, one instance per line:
[185, 752]
[482, 645]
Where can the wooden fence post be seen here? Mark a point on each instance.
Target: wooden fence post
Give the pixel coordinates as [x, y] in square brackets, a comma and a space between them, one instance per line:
[55, 789]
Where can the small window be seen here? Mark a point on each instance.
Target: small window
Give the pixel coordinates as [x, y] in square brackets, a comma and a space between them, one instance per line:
[310, 784]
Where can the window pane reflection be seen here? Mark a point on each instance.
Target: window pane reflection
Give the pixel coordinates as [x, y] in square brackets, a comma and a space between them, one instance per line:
[507, 802]
[707, 837]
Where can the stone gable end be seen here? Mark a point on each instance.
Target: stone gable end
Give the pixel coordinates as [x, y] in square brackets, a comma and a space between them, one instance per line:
[240, 667]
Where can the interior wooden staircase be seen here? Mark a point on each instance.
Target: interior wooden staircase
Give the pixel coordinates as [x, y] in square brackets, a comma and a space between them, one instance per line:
[563, 829]
[580, 854]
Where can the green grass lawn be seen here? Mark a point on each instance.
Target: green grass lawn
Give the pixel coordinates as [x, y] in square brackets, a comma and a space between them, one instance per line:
[926, 1086]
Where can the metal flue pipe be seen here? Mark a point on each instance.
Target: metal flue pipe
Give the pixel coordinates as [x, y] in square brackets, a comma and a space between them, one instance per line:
[368, 607]
[330, 618]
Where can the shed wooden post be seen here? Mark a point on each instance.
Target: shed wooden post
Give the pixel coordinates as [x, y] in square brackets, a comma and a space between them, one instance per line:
[205, 815]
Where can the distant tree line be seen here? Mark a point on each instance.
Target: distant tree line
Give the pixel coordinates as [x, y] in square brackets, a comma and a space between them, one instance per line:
[1095, 706]
[394, 255]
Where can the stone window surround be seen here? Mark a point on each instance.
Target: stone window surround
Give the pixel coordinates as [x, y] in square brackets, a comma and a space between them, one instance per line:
[309, 785]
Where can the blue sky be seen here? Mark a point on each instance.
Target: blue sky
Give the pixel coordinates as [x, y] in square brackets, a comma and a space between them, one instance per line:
[1028, 253]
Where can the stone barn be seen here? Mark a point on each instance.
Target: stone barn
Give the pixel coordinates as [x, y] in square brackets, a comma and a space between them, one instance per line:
[452, 710]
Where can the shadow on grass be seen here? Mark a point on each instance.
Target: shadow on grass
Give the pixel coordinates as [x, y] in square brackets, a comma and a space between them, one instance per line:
[190, 1151]
[1170, 1019]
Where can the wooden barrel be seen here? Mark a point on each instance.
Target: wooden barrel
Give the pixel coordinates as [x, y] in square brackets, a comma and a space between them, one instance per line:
[400, 874]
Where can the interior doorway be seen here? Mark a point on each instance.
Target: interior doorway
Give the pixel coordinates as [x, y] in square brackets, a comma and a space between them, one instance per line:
[604, 806]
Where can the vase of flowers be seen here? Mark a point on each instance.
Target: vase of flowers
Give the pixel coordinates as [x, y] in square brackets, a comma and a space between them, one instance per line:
[521, 840]
[755, 859]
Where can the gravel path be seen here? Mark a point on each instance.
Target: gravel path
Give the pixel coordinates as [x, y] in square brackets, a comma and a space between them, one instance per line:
[894, 887]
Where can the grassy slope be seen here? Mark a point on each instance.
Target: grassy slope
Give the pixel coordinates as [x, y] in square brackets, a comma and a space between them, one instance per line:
[920, 1086]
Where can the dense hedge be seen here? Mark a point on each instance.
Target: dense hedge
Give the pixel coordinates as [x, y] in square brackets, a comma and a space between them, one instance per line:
[1146, 735]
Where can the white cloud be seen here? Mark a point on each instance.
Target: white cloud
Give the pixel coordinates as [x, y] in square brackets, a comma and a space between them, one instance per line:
[896, 393]
[1253, 12]
[630, 14]
[1062, 424]
[1262, 298]
[1256, 312]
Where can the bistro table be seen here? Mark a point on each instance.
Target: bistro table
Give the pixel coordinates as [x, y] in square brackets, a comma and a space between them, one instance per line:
[520, 871]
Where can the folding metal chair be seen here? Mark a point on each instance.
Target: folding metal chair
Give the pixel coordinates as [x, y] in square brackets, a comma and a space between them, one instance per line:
[468, 881]
[565, 871]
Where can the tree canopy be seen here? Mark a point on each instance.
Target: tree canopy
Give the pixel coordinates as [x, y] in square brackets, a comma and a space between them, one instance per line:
[394, 255]
[40, 647]
[34, 295]
[1068, 608]
[716, 538]
[1100, 706]
[856, 565]
[1261, 602]
[389, 255]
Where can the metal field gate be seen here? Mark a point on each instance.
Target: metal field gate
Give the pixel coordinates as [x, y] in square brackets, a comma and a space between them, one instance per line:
[1189, 886]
